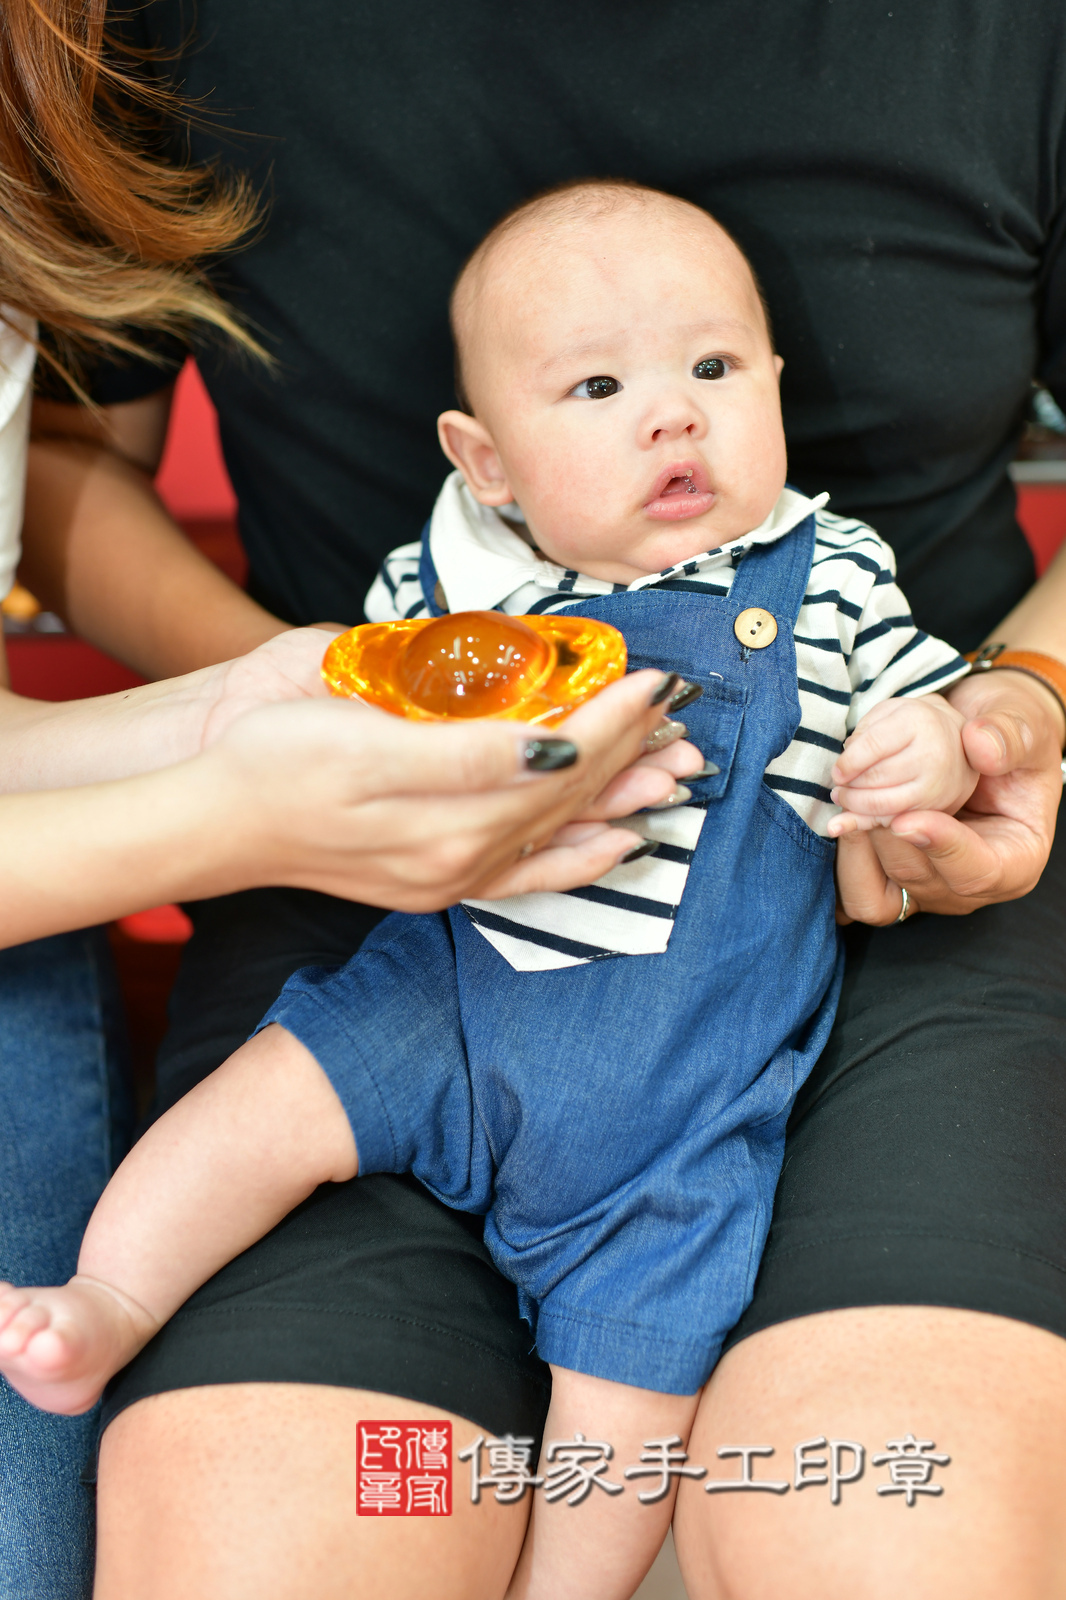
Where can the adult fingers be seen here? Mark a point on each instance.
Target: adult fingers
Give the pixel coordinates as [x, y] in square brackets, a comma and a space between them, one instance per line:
[1012, 721]
[567, 863]
[623, 714]
[949, 865]
[610, 732]
[864, 891]
[998, 743]
[647, 783]
[397, 757]
[382, 754]
[681, 760]
[604, 736]
[390, 755]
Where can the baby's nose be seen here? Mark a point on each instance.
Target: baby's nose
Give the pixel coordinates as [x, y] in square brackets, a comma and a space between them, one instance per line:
[673, 429]
[673, 417]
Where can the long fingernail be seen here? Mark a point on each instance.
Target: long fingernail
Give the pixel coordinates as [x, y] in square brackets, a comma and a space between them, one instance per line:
[647, 848]
[678, 798]
[664, 688]
[708, 770]
[548, 755]
[685, 696]
[665, 735]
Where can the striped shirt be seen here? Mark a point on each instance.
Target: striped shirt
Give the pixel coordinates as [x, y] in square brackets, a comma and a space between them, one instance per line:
[856, 645]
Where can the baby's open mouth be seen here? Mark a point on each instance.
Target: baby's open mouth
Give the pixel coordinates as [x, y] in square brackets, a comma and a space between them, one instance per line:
[681, 490]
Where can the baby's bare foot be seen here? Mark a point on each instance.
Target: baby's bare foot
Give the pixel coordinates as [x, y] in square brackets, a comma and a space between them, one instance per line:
[58, 1347]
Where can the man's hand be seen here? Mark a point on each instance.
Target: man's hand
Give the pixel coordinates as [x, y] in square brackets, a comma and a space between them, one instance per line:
[998, 845]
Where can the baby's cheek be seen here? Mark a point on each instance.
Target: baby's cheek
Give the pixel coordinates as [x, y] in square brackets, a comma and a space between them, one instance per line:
[567, 506]
[571, 539]
[749, 461]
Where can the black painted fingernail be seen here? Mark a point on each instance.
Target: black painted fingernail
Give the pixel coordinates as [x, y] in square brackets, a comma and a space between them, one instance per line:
[548, 755]
[648, 848]
[685, 696]
[665, 688]
[708, 770]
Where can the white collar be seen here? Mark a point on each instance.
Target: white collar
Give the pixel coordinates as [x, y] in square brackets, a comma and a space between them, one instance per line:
[480, 561]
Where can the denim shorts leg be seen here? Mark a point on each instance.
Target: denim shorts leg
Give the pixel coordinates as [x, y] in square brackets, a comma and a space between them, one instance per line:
[63, 1110]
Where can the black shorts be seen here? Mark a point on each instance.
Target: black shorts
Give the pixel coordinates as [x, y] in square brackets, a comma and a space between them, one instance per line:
[926, 1165]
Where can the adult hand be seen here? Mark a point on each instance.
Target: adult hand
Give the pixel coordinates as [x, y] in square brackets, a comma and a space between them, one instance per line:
[339, 797]
[996, 847]
[287, 667]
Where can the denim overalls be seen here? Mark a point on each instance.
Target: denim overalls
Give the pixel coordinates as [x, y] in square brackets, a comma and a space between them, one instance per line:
[619, 1123]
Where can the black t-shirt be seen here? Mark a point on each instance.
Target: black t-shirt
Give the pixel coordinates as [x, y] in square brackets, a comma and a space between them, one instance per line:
[895, 171]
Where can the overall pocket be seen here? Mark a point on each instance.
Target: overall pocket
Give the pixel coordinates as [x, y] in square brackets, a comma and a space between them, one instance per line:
[714, 722]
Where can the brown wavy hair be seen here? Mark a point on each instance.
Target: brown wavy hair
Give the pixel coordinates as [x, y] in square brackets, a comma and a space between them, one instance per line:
[97, 233]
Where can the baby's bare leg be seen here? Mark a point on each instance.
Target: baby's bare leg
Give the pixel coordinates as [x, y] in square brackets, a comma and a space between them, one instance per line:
[212, 1176]
[604, 1544]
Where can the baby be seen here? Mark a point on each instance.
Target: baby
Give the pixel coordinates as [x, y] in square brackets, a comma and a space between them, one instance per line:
[605, 1075]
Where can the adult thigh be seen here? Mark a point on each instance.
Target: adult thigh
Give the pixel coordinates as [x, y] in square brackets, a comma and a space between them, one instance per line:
[63, 1111]
[248, 1492]
[987, 1392]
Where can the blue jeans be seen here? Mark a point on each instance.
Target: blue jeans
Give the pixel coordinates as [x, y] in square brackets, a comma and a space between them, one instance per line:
[64, 1116]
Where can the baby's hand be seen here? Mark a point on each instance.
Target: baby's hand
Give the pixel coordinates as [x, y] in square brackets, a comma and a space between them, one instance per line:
[905, 755]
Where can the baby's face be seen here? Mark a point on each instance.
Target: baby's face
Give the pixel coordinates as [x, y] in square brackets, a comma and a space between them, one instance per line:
[625, 391]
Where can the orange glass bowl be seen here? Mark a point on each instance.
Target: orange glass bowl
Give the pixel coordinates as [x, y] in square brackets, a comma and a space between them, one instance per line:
[476, 664]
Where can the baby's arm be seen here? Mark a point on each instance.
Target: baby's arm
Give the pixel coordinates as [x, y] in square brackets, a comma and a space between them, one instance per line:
[905, 755]
[207, 1180]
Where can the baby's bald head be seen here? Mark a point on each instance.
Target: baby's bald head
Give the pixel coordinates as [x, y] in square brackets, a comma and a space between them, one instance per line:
[588, 216]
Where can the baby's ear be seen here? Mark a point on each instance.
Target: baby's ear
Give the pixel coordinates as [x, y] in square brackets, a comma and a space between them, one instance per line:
[468, 446]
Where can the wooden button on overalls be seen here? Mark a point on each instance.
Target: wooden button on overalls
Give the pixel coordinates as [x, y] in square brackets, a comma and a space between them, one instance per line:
[755, 628]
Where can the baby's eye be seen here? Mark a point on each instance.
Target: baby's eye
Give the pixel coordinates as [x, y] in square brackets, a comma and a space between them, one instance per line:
[596, 388]
[713, 367]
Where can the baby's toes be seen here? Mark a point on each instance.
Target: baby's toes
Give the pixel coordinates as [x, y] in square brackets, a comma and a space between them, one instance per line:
[22, 1327]
[12, 1301]
[52, 1348]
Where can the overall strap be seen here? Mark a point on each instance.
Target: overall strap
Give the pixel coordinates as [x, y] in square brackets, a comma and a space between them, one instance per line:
[427, 576]
[775, 576]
